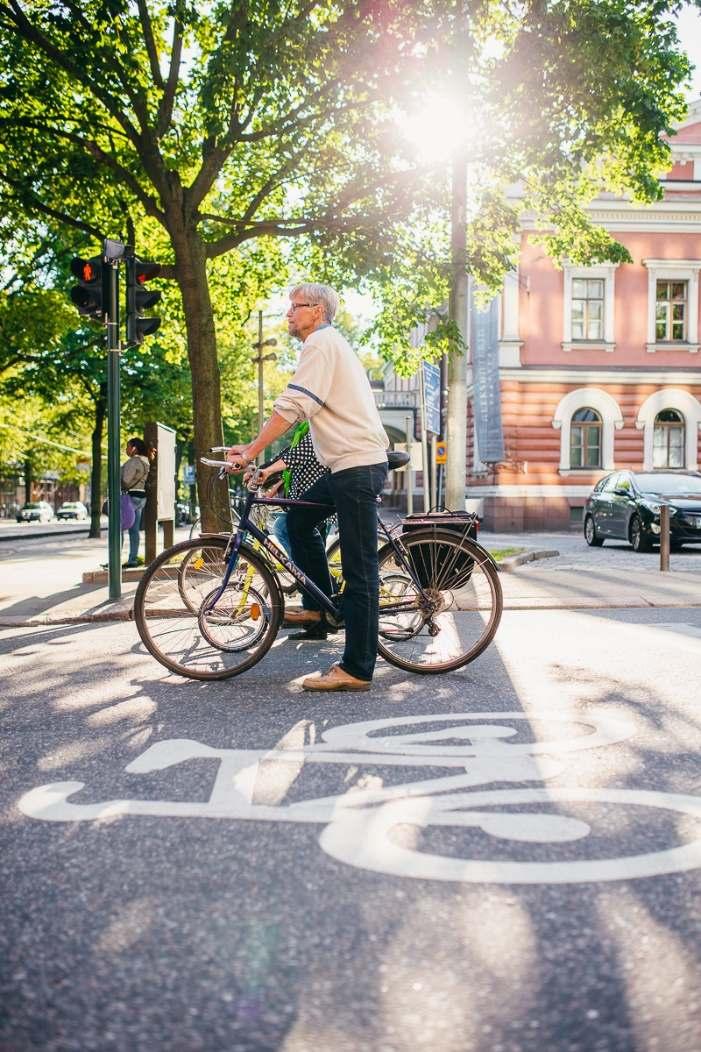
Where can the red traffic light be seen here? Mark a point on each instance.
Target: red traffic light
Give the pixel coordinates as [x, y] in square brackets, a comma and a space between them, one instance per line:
[89, 295]
[87, 271]
[145, 271]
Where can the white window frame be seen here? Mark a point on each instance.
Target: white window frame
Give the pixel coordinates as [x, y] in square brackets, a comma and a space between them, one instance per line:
[673, 270]
[604, 272]
[611, 420]
[689, 407]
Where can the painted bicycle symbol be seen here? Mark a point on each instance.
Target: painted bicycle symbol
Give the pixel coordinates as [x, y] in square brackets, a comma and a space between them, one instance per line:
[362, 825]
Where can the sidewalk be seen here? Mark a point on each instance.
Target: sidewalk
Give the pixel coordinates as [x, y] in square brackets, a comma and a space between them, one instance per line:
[32, 593]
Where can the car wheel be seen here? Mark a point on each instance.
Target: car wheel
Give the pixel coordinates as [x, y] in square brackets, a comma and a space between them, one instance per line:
[638, 540]
[590, 535]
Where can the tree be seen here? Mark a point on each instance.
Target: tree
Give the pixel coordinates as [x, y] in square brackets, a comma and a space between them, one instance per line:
[251, 122]
[233, 124]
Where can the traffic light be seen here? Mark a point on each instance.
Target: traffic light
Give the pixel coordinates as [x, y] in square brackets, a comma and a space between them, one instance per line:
[140, 299]
[90, 295]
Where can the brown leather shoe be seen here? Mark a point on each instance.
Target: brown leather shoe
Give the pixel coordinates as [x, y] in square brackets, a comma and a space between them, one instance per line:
[335, 679]
[293, 618]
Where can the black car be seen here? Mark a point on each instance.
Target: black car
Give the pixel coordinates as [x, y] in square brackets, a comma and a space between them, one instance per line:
[626, 506]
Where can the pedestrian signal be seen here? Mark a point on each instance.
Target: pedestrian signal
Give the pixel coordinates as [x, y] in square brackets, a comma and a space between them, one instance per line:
[140, 299]
[89, 294]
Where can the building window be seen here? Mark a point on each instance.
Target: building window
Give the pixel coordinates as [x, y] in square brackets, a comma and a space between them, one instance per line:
[671, 311]
[585, 439]
[588, 301]
[587, 309]
[669, 440]
[673, 305]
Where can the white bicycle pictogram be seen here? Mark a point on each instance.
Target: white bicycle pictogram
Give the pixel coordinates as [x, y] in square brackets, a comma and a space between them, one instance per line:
[361, 824]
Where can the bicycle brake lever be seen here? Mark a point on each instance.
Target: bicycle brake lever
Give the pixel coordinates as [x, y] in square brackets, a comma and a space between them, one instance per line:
[255, 481]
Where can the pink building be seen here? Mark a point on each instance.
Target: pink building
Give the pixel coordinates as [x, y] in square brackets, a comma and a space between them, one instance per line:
[599, 367]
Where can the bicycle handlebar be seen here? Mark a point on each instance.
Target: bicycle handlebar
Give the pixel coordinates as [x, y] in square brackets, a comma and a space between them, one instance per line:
[225, 469]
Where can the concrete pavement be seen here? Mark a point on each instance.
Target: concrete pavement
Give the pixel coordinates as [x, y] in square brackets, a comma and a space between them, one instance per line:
[48, 589]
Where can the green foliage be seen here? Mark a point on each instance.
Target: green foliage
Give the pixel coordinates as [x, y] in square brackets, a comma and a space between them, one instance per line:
[216, 128]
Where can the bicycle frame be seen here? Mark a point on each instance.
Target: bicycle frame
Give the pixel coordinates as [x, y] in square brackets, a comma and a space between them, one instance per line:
[246, 526]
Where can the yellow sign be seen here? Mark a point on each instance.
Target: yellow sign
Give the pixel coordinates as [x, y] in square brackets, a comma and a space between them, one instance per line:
[441, 452]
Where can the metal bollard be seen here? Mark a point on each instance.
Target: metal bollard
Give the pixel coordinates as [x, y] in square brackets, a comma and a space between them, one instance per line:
[664, 537]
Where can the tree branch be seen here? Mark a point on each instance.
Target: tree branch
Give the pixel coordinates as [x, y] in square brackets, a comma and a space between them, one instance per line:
[32, 34]
[165, 110]
[150, 43]
[32, 202]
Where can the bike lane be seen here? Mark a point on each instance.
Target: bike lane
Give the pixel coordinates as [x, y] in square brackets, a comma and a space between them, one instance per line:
[444, 864]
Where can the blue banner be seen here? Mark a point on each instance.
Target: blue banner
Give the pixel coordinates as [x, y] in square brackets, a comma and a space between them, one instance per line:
[484, 350]
[432, 396]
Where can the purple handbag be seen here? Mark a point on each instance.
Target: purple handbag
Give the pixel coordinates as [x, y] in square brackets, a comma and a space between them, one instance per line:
[127, 513]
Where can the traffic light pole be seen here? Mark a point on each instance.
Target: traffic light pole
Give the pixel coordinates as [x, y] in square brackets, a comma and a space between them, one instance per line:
[114, 529]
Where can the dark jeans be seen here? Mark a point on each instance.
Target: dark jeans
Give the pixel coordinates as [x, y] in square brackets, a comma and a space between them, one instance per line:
[353, 493]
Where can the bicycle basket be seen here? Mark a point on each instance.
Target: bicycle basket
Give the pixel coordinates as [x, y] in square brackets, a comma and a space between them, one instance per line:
[442, 566]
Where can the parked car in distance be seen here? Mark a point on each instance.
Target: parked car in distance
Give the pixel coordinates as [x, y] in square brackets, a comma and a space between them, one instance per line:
[626, 506]
[35, 511]
[183, 513]
[72, 509]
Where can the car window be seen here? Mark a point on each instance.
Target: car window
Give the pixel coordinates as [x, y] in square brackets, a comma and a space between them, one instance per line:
[669, 485]
[623, 483]
[611, 482]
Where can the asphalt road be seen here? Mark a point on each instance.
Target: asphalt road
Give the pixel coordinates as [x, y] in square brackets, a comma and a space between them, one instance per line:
[241, 866]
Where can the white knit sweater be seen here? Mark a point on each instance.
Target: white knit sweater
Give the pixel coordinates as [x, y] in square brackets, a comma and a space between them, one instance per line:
[331, 390]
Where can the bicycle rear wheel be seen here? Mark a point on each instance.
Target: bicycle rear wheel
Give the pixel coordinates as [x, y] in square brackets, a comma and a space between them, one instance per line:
[191, 638]
[449, 615]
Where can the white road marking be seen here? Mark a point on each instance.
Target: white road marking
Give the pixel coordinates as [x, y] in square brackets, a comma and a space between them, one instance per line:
[362, 823]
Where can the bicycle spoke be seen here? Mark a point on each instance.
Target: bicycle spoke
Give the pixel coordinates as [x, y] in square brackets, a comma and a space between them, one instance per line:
[231, 635]
[450, 616]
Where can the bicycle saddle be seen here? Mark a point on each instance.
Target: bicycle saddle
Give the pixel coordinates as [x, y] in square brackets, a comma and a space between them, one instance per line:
[397, 459]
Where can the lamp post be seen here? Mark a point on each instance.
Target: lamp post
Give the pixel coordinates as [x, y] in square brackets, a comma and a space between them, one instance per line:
[456, 422]
[258, 360]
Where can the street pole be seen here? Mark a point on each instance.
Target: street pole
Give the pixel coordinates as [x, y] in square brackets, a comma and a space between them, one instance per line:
[261, 399]
[409, 427]
[664, 538]
[456, 424]
[424, 442]
[114, 527]
[258, 361]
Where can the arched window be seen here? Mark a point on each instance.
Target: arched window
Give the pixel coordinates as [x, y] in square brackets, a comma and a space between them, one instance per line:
[669, 440]
[585, 439]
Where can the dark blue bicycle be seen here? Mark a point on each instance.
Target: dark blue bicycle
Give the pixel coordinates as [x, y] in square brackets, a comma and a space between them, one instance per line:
[211, 607]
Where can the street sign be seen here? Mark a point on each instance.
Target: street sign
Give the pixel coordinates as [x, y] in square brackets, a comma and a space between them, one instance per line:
[484, 349]
[432, 396]
[441, 452]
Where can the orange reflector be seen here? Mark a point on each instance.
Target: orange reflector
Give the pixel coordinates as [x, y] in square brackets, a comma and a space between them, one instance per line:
[198, 563]
[255, 611]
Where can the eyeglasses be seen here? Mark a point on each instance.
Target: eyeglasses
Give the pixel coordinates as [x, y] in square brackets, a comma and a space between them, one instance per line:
[296, 306]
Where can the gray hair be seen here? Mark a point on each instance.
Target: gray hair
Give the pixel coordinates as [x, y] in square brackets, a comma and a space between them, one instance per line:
[320, 295]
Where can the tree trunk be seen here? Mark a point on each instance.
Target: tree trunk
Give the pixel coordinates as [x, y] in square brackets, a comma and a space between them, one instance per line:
[96, 470]
[204, 365]
[28, 479]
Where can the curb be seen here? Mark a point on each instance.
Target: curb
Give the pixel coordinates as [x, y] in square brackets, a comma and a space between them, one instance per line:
[515, 604]
[58, 532]
[41, 620]
[509, 564]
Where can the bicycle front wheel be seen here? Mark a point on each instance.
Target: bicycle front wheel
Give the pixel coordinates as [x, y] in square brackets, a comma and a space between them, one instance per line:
[440, 610]
[184, 629]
